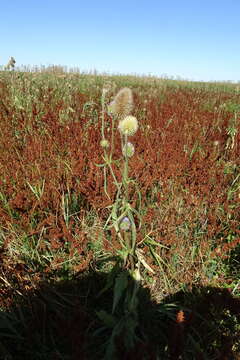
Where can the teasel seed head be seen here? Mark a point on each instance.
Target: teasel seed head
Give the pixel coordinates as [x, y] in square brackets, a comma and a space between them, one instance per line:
[128, 150]
[122, 104]
[125, 224]
[128, 126]
[104, 143]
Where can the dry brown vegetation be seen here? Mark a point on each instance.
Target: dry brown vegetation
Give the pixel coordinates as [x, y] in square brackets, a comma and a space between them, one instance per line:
[186, 165]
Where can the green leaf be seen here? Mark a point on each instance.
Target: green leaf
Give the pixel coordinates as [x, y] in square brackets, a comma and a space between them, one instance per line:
[110, 279]
[108, 319]
[121, 284]
[150, 241]
[111, 348]
[130, 337]
[100, 165]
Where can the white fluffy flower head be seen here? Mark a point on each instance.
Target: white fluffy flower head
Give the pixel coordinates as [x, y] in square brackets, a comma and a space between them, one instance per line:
[128, 126]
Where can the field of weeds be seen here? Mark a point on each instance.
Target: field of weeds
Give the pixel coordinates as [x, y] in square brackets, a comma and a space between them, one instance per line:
[111, 249]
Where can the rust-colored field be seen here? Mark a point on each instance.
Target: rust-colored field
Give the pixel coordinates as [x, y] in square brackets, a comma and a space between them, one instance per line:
[52, 201]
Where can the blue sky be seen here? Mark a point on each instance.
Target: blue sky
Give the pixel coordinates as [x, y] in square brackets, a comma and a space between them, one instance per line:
[191, 39]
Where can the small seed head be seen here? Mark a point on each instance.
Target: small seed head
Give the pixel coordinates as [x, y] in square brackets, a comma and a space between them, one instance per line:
[105, 143]
[125, 224]
[128, 150]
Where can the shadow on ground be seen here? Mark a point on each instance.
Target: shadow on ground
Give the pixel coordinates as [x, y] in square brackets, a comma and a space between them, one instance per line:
[59, 321]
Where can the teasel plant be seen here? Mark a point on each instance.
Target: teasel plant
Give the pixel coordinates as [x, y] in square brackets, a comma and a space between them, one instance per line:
[126, 276]
[122, 213]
